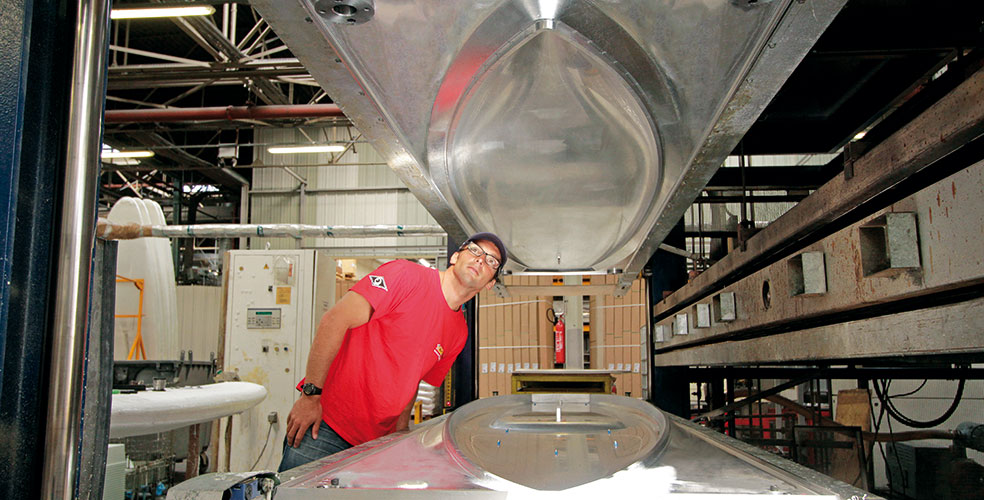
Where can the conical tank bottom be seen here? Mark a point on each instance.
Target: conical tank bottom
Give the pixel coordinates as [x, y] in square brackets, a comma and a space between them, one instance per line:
[552, 138]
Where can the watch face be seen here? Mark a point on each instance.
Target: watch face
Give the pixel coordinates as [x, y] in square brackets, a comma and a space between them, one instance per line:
[310, 389]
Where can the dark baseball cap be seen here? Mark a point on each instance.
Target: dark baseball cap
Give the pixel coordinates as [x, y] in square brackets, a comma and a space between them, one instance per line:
[492, 238]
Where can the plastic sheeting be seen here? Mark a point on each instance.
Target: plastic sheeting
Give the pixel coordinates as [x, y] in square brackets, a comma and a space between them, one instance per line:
[149, 412]
[148, 259]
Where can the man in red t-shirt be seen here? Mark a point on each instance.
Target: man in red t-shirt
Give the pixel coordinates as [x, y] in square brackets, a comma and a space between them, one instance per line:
[397, 326]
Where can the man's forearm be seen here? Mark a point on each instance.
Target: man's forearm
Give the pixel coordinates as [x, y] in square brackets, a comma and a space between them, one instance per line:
[327, 342]
[351, 310]
[403, 423]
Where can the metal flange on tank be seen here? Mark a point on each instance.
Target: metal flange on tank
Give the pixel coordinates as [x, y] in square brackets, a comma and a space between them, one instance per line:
[347, 12]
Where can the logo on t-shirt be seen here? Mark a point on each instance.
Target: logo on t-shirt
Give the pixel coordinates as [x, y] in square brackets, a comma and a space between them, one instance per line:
[378, 282]
[439, 350]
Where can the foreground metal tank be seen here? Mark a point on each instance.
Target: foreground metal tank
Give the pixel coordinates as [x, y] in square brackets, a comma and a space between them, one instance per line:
[578, 130]
[521, 446]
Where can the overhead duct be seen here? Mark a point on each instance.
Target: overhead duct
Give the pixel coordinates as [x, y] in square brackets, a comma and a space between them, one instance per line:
[579, 131]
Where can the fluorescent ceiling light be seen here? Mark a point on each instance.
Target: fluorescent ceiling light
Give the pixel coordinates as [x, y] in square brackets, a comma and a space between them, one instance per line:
[150, 12]
[327, 148]
[860, 135]
[106, 155]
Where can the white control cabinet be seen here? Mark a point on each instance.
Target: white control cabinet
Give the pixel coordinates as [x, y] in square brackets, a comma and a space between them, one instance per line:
[274, 301]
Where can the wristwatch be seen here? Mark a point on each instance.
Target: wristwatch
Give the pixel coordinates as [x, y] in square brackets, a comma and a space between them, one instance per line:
[310, 389]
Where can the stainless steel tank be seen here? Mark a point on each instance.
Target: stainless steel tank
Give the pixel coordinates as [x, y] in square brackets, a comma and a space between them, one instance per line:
[531, 445]
[577, 130]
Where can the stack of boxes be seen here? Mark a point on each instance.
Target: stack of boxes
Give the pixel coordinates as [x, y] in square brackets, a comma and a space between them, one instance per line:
[514, 334]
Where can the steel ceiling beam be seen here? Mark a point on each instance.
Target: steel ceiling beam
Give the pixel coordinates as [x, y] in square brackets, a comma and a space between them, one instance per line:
[222, 113]
[221, 175]
[124, 80]
[206, 33]
[939, 131]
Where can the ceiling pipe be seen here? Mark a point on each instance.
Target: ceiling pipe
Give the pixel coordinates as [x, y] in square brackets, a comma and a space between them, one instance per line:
[116, 231]
[222, 113]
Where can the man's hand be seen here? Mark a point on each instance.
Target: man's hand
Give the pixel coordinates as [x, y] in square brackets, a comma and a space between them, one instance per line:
[305, 413]
[350, 311]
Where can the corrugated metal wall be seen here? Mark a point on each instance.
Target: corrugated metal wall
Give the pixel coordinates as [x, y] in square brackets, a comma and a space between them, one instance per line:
[364, 191]
[199, 325]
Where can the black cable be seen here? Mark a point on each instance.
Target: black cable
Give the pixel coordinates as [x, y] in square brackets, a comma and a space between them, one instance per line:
[895, 448]
[923, 384]
[918, 424]
[551, 316]
[881, 445]
[265, 443]
[869, 458]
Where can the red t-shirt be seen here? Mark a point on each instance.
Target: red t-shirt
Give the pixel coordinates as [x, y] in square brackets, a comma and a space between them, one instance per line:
[412, 335]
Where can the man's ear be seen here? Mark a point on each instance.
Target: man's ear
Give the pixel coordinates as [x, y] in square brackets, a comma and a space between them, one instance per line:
[453, 258]
[490, 284]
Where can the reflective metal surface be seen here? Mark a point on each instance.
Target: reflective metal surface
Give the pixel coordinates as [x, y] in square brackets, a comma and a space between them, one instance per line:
[554, 442]
[577, 130]
[603, 445]
[552, 122]
[75, 251]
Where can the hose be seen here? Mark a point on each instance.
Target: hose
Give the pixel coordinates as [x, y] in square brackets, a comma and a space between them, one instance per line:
[881, 389]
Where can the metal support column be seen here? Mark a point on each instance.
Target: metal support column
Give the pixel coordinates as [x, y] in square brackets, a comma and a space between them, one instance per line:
[244, 214]
[667, 272]
[176, 219]
[98, 373]
[464, 373]
[34, 90]
[301, 201]
[75, 246]
[574, 323]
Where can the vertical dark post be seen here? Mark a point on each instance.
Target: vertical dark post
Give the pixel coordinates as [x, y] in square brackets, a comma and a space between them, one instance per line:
[34, 87]
[98, 401]
[730, 398]
[671, 390]
[188, 258]
[464, 378]
[176, 220]
[665, 272]
[191, 463]
[716, 397]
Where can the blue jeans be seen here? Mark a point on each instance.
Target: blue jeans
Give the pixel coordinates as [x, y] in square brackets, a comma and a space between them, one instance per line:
[328, 443]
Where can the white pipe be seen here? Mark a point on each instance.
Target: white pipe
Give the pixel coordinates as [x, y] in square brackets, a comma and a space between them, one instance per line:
[112, 231]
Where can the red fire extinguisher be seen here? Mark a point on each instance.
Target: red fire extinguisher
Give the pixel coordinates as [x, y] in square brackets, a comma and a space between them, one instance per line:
[559, 341]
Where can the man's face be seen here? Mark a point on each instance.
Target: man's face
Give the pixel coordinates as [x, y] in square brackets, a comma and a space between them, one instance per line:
[474, 270]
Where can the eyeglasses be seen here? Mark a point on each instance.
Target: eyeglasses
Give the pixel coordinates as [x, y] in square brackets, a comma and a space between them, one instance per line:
[477, 251]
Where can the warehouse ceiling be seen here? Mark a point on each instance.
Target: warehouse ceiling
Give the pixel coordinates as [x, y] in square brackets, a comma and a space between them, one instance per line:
[879, 63]
[229, 59]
